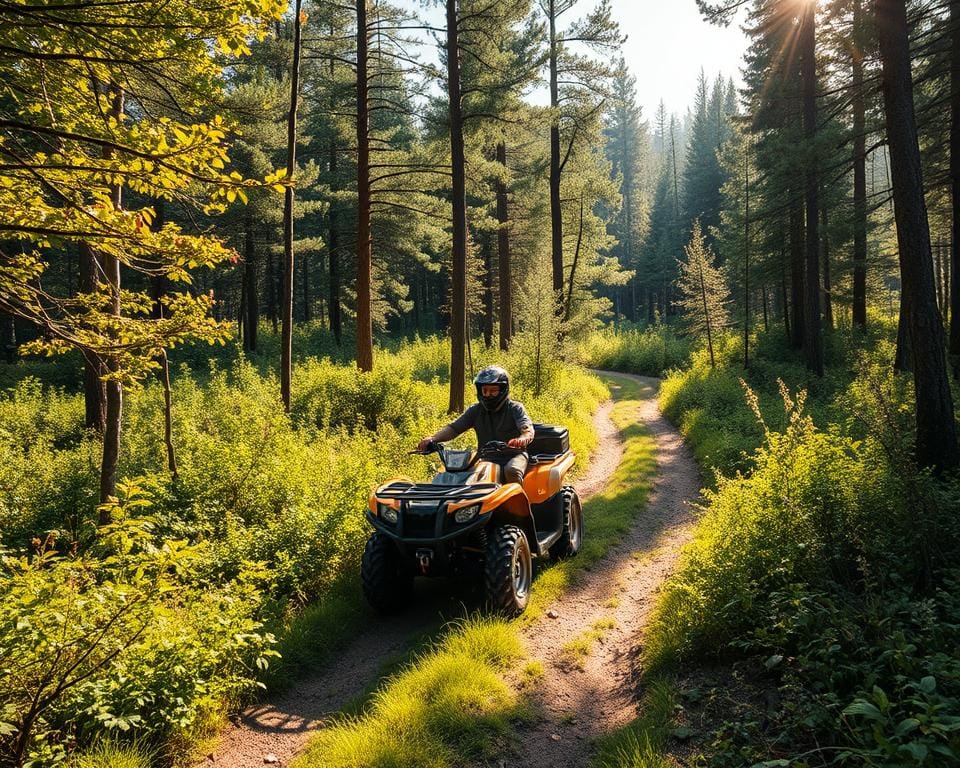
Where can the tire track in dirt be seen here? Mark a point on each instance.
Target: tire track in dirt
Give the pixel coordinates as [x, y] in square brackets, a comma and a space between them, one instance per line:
[281, 727]
[577, 705]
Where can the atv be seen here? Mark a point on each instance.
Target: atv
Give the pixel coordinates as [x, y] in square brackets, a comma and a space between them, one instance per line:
[467, 524]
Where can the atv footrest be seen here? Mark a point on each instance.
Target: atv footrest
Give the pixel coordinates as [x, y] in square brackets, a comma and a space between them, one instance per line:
[431, 492]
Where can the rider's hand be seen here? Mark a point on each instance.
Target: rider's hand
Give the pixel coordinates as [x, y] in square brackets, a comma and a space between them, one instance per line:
[424, 445]
[519, 442]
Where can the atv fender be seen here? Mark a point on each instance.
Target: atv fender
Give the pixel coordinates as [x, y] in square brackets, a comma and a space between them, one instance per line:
[372, 501]
[510, 506]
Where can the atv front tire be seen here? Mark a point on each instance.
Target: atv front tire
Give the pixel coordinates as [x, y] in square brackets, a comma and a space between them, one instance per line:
[386, 578]
[508, 571]
[572, 537]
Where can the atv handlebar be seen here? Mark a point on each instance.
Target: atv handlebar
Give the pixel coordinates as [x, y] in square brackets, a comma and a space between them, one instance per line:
[495, 450]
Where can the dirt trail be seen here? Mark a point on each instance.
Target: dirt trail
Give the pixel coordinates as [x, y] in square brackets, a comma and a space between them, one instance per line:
[280, 728]
[576, 705]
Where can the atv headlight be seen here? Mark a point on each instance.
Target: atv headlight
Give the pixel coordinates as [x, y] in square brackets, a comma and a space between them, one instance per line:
[387, 513]
[466, 514]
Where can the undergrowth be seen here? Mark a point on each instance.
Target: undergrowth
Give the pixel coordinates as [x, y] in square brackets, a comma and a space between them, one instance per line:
[824, 561]
[267, 509]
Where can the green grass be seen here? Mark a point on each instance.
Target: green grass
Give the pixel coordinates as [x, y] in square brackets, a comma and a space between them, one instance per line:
[575, 651]
[107, 754]
[641, 744]
[452, 701]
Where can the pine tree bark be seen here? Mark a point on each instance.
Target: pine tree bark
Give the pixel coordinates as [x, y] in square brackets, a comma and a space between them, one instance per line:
[94, 388]
[556, 209]
[251, 319]
[488, 308]
[746, 255]
[859, 174]
[797, 273]
[954, 270]
[458, 299]
[305, 280]
[827, 271]
[364, 239]
[505, 275]
[333, 256]
[286, 342]
[812, 333]
[936, 437]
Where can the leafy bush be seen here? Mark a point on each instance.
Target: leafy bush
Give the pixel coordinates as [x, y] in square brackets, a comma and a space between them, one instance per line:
[650, 351]
[831, 566]
[120, 639]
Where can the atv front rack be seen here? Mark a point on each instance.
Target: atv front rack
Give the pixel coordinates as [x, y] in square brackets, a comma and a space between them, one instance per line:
[429, 492]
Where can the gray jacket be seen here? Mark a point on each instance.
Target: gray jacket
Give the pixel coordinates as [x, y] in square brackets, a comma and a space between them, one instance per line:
[504, 424]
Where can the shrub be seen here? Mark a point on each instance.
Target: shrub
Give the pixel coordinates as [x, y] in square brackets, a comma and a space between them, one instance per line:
[650, 351]
[121, 639]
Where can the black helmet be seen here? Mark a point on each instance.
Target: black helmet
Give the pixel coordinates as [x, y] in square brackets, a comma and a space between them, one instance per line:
[493, 374]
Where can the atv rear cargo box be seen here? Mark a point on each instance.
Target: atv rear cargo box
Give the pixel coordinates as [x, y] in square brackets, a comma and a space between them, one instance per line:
[549, 441]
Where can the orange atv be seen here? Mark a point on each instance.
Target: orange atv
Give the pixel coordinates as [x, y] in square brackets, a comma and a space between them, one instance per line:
[466, 523]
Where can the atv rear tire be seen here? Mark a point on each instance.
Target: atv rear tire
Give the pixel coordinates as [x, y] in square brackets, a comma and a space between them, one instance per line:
[572, 537]
[386, 578]
[508, 571]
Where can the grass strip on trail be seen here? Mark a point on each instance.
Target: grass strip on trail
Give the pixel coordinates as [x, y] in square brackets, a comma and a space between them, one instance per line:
[452, 701]
[641, 744]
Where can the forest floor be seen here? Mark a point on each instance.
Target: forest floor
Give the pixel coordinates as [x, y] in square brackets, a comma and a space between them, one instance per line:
[587, 643]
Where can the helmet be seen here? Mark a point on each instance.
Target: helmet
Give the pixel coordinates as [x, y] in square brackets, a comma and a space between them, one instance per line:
[493, 374]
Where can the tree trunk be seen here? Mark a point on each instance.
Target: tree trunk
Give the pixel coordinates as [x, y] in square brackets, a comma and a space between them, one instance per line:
[556, 209]
[859, 174]
[954, 270]
[8, 337]
[286, 342]
[94, 388]
[568, 304]
[272, 280]
[746, 255]
[812, 335]
[114, 389]
[458, 299]
[251, 318]
[488, 308]
[503, 253]
[305, 279]
[364, 241]
[333, 256]
[936, 426]
[827, 272]
[797, 272]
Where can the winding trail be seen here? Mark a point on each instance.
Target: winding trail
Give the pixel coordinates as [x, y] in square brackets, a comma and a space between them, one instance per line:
[575, 705]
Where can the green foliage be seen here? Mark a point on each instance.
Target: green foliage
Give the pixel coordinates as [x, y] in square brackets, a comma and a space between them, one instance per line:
[831, 566]
[120, 639]
[271, 508]
[650, 351]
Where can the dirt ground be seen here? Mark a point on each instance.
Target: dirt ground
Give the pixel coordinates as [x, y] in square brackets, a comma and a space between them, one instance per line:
[576, 704]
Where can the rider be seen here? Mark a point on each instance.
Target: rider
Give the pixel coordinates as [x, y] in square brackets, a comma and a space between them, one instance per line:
[494, 417]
